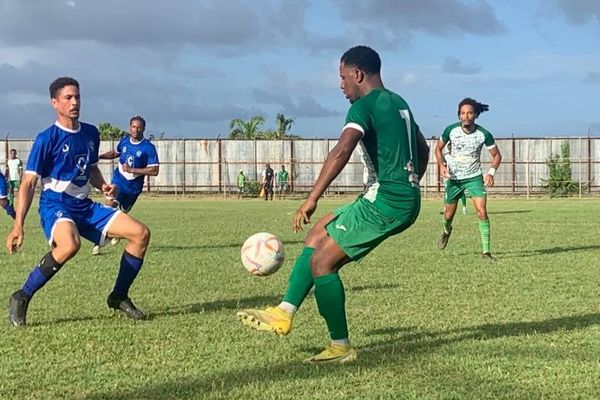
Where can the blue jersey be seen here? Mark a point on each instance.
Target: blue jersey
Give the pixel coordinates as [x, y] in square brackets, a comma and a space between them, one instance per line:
[62, 158]
[140, 154]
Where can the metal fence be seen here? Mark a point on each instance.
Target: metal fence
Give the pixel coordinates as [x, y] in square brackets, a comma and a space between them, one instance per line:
[202, 166]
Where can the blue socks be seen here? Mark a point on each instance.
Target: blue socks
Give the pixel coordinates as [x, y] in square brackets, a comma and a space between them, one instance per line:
[10, 210]
[130, 266]
[34, 282]
[42, 273]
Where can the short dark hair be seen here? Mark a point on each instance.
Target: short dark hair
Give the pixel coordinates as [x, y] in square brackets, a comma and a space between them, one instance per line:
[60, 83]
[478, 107]
[15, 150]
[364, 58]
[138, 118]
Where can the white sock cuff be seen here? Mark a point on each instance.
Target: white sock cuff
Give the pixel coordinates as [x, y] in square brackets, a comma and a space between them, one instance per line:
[289, 307]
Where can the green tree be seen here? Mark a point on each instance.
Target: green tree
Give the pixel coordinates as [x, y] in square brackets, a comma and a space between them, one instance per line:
[250, 129]
[282, 125]
[110, 132]
[560, 182]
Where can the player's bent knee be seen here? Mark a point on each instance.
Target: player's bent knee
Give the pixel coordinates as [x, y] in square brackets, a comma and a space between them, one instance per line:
[141, 234]
[66, 249]
[315, 237]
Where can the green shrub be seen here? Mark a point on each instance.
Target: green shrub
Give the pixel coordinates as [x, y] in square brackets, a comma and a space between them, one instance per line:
[560, 182]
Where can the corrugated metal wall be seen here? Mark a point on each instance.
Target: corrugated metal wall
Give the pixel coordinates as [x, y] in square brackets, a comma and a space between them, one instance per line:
[210, 165]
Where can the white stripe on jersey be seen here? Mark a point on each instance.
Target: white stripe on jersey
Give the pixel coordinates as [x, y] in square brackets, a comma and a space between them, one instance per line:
[67, 187]
[354, 125]
[127, 175]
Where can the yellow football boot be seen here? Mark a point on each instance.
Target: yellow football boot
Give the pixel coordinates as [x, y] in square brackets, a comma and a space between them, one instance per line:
[272, 319]
[334, 354]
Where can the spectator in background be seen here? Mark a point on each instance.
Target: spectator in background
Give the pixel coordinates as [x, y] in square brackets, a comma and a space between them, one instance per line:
[283, 178]
[268, 176]
[241, 184]
[14, 170]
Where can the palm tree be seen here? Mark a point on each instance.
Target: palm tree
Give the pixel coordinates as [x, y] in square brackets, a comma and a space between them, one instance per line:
[282, 125]
[241, 129]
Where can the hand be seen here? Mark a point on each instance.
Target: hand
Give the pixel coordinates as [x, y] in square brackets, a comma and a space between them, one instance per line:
[444, 171]
[109, 190]
[488, 180]
[303, 214]
[14, 241]
[126, 168]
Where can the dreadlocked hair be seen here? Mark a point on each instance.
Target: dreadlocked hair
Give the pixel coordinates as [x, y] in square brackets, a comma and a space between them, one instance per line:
[477, 106]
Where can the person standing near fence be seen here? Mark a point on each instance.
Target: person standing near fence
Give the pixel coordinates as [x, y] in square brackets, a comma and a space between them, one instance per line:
[14, 171]
[466, 139]
[241, 184]
[137, 159]
[65, 157]
[283, 178]
[395, 153]
[268, 177]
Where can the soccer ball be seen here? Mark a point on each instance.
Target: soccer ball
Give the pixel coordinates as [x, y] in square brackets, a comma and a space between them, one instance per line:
[262, 254]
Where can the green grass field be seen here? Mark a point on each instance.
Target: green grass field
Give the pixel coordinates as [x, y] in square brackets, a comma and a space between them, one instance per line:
[427, 324]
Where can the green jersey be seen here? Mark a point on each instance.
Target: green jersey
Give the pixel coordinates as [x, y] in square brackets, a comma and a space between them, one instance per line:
[464, 158]
[241, 180]
[282, 176]
[388, 147]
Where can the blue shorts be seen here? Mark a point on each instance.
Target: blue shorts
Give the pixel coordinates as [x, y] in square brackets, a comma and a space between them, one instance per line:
[3, 187]
[126, 197]
[126, 200]
[92, 220]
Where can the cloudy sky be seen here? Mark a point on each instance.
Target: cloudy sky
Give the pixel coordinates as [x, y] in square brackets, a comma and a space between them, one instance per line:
[190, 66]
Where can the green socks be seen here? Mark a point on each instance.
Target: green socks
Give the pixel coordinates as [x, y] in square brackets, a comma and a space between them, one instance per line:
[484, 229]
[447, 226]
[329, 293]
[301, 280]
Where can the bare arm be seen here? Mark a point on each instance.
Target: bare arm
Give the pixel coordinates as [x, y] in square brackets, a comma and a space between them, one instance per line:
[26, 193]
[153, 170]
[334, 164]
[97, 181]
[496, 157]
[439, 156]
[422, 154]
[109, 155]
[488, 179]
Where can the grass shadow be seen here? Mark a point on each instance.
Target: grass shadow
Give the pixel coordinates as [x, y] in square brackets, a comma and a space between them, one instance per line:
[217, 305]
[404, 341]
[423, 341]
[547, 251]
[509, 212]
[377, 286]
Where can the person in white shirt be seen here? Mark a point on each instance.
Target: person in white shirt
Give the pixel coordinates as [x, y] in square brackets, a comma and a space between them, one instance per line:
[14, 170]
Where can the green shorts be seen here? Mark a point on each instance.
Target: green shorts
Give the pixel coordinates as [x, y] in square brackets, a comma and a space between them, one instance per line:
[473, 187]
[13, 184]
[359, 227]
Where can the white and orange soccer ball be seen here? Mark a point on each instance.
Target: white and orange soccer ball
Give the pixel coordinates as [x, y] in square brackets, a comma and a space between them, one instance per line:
[262, 254]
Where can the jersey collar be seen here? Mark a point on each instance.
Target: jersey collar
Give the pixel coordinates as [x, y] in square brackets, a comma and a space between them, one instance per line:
[132, 142]
[67, 129]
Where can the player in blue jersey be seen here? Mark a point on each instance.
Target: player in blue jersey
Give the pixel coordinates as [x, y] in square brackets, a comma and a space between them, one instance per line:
[4, 203]
[137, 158]
[65, 157]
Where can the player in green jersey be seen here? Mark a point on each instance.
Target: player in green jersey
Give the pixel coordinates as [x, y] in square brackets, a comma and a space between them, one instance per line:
[464, 173]
[283, 179]
[395, 153]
